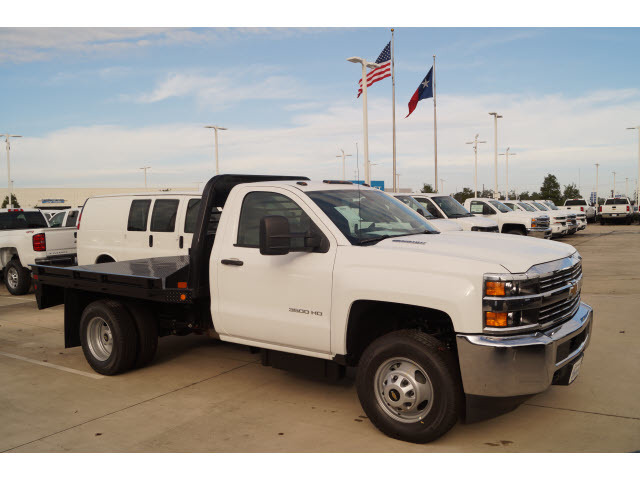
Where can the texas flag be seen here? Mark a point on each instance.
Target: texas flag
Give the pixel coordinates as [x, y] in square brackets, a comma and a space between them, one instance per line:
[425, 90]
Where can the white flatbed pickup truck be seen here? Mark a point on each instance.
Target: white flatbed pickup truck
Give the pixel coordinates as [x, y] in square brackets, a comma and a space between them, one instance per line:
[445, 206]
[25, 239]
[515, 223]
[616, 209]
[320, 276]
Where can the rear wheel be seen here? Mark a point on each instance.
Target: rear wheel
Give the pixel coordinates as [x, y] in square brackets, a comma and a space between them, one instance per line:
[602, 222]
[409, 387]
[108, 337]
[17, 278]
[147, 329]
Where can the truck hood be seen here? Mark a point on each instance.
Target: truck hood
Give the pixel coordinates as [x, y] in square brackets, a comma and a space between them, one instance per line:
[515, 253]
[444, 225]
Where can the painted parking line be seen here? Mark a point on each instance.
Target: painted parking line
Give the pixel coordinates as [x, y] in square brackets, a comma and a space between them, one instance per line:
[50, 365]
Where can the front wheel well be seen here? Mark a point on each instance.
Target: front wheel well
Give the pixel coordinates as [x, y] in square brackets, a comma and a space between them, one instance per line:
[508, 227]
[369, 320]
[105, 259]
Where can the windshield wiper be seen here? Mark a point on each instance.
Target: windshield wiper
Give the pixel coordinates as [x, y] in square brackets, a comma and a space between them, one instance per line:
[384, 237]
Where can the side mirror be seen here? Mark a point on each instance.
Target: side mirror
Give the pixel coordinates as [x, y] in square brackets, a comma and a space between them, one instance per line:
[275, 236]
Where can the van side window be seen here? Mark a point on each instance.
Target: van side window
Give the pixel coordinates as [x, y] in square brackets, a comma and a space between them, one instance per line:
[192, 215]
[138, 215]
[163, 218]
[71, 218]
[260, 204]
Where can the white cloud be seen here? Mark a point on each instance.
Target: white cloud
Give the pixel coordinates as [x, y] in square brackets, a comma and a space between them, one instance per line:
[550, 134]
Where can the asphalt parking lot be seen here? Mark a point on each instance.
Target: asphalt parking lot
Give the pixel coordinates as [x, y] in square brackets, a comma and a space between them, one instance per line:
[201, 395]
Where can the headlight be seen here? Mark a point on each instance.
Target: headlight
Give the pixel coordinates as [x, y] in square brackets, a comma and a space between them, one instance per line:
[509, 300]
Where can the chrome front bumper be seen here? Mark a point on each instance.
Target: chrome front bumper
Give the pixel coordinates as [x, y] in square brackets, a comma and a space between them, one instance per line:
[539, 232]
[496, 366]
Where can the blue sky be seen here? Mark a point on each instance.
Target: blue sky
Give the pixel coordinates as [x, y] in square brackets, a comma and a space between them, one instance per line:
[95, 104]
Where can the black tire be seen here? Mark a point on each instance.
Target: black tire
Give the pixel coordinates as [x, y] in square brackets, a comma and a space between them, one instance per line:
[629, 220]
[17, 279]
[122, 330]
[147, 329]
[441, 368]
[514, 231]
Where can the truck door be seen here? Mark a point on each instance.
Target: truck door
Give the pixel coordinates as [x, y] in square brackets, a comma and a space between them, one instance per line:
[284, 300]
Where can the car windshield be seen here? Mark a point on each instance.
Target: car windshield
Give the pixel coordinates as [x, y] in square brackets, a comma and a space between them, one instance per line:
[575, 202]
[616, 201]
[527, 207]
[366, 216]
[411, 202]
[22, 220]
[500, 206]
[451, 207]
[539, 206]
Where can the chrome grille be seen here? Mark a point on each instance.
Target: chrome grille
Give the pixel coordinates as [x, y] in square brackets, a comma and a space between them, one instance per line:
[560, 278]
[543, 222]
[558, 311]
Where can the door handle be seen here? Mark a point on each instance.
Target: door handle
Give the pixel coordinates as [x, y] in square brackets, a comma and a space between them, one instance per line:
[232, 261]
[181, 241]
[151, 240]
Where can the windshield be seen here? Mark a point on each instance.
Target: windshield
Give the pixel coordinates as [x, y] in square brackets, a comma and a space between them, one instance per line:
[367, 216]
[616, 201]
[500, 206]
[411, 202]
[527, 207]
[551, 205]
[451, 207]
[22, 220]
[539, 206]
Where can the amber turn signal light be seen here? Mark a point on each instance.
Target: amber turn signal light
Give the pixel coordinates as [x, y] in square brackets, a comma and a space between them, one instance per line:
[496, 319]
[495, 289]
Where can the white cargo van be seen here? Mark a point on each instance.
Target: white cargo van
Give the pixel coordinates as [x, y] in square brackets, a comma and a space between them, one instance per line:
[133, 226]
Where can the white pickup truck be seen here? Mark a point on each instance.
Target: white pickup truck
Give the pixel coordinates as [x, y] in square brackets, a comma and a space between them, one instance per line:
[575, 220]
[578, 205]
[439, 223]
[320, 276]
[515, 223]
[445, 206]
[558, 222]
[25, 239]
[616, 209]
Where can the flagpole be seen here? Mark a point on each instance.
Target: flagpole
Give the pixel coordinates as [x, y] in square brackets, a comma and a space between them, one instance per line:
[435, 128]
[393, 109]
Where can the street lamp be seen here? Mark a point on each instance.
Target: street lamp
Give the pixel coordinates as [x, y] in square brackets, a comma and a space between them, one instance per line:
[364, 64]
[371, 171]
[475, 143]
[343, 170]
[215, 129]
[597, 165]
[506, 154]
[638, 180]
[614, 185]
[145, 175]
[495, 144]
[7, 136]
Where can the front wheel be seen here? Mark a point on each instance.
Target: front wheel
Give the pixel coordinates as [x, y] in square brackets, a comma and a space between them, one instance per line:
[408, 385]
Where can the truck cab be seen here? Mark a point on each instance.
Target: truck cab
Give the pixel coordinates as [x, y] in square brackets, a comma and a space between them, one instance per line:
[515, 223]
[445, 206]
[440, 223]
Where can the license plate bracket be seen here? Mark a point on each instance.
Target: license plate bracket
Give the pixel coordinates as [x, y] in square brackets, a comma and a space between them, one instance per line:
[575, 369]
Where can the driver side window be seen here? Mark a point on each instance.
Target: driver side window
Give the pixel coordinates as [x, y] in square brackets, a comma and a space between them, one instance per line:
[261, 204]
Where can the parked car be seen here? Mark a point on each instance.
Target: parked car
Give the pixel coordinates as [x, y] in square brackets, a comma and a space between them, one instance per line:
[515, 223]
[578, 205]
[322, 276]
[559, 226]
[616, 209]
[441, 224]
[25, 239]
[138, 225]
[572, 218]
[66, 218]
[445, 206]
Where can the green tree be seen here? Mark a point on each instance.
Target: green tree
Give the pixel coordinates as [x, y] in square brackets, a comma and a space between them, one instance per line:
[570, 191]
[464, 194]
[14, 201]
[486, 193]
[550, 190]
[427, 188]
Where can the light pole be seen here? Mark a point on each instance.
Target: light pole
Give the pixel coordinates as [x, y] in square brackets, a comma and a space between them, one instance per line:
[371, 171]
[145, 175]
[638, 178]
[597, 165]
[343, 170]
[614, 184]
[475, 143]
[7, 136]
[442, 180]
[365, 122]
[215, 129]
[398, 181]
[626, 187]
[506, 155]
[495, 144]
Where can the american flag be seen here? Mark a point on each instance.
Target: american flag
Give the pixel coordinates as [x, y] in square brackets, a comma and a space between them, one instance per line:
[383, 71]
